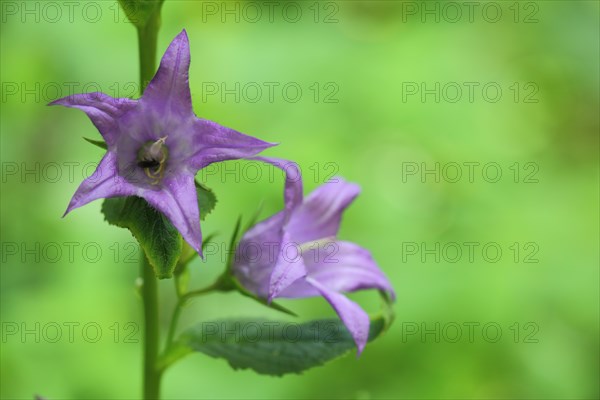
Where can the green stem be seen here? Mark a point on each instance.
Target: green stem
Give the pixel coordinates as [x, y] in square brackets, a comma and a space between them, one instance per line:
[149, 291]
[181, 302]
[147, 41]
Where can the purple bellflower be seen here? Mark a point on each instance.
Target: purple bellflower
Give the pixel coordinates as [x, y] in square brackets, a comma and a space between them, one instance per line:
[295, 254]
[156, 144]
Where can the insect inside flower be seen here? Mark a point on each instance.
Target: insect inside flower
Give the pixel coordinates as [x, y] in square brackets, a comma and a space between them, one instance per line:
[152, 157]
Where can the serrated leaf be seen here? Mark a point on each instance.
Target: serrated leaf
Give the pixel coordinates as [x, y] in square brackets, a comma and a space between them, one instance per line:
[270, 347]
[206, 200]
[99, 143]
[159, 239]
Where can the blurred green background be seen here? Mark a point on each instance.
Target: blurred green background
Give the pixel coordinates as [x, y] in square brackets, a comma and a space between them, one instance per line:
[534, 308]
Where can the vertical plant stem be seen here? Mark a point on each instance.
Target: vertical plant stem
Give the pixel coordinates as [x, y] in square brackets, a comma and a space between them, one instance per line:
[147, 40]
[152, 374]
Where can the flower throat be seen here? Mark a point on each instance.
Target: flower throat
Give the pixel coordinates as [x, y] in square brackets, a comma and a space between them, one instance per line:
[152, 157]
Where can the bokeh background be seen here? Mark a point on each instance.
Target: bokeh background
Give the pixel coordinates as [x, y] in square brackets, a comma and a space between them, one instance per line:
[361, 66]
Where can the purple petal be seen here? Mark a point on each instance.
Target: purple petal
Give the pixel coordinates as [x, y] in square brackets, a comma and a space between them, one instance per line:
[103, 183]
[102, 109]
[170, 86]
[213, 143]
[293, 181]
[355, 318]
[321, 213]
[288, 269]
[257, 253]
[345, 267]
[178, 201]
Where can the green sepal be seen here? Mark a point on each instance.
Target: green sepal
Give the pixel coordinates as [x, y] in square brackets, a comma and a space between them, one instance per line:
[387, 308]
[244, 292]
[269, 347]
[233, 242]
[99, 143]
[206, 200]
[159, 239]
[182, 273]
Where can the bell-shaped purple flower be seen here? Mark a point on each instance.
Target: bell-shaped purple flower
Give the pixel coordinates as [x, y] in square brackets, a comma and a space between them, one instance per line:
[295, 254]
[157, 144]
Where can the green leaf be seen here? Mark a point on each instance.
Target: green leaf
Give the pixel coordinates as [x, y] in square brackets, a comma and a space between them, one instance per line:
[269, 347]
[139, 12]
[99, 143]
[206, 200]
[159, 239]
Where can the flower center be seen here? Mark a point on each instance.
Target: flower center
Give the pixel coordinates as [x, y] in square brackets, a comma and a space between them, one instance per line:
[152, 157]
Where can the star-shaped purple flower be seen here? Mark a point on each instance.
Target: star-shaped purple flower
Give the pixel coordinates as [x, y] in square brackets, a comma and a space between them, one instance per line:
[157, 144]
[295, 254]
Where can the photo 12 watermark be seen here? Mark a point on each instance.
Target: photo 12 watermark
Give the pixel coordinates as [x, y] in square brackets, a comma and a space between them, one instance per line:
[67, 11]
[262, 92]
[470, 252]
[469, 332]
[269, 332]
[248, 171]
[324, 251]
[70, 332]
[469, 172]
[252, 12]
[470, 92]
[68, 252]
[452, 12]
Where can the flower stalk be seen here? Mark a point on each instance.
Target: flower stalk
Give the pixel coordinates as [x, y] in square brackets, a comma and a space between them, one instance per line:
[147, 43]
[220, 285]
[152, 374]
